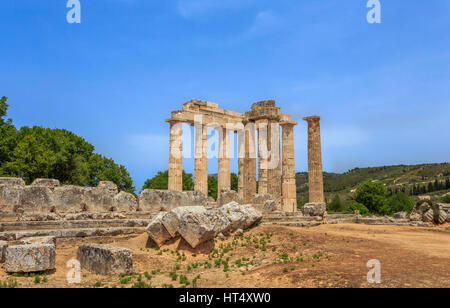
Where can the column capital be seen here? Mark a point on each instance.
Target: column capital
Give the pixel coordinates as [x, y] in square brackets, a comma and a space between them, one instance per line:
[312, 119]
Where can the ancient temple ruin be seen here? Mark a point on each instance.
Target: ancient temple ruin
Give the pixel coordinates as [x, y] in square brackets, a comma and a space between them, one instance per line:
[275, 150]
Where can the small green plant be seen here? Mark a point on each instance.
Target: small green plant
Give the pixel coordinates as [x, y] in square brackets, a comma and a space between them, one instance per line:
[37, 280]
[98, 284]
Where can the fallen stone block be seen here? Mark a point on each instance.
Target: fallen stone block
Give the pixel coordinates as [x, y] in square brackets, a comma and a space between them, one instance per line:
[30, 258]
[442, 217]
[36, 199]
[240, 216]
[3, 246]
[428, 216]
[156, 230]
[227, 196]
[108, 185]
[124, 202]
[314, 209]
[70, 199]
[105, 259]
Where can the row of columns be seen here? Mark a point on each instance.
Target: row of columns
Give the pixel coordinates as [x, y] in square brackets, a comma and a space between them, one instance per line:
[271, 179]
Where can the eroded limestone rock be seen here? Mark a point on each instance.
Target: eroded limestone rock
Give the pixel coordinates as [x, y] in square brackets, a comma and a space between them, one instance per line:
[3, 246]
[227, 196]
[124, 202]
[314, 209]
[70, 199]
[30, 258]
[105, 259]
[401, 215]
[156, 230]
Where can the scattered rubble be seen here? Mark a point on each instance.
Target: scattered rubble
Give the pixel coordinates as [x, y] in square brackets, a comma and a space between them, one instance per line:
[105, 259]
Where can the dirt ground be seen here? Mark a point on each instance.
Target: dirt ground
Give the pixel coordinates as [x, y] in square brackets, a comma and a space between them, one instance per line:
[273, 257]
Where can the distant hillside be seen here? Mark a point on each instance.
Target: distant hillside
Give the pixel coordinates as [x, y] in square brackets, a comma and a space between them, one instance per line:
[412, 179]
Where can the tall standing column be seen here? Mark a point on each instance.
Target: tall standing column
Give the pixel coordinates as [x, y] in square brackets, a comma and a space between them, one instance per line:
[250, 151]
[175, 157]
[274, 163]
[247, 163]
[262, 156]
[289, 182]
[224, 173]
[315, 172]
[201, 160]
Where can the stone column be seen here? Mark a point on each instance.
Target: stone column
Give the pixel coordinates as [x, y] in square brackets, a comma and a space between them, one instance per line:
[175, 158]
[289, 188]
[250, 150]
[315, 173]
[247, 163]
[274, 164]
[224, 173]
[262, 156]
[201, 160]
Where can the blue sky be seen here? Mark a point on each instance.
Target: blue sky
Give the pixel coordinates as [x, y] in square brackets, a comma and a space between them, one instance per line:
[382, 90]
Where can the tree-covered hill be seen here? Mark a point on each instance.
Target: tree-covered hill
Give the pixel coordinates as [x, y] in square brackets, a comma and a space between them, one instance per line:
[412, 179]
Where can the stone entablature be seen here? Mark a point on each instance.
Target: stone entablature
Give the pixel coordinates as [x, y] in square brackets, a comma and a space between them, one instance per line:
[275, 165]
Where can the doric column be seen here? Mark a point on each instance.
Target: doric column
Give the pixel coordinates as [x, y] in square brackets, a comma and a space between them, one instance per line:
[274, 170]
[315, 173]
[224, 173]
[247, 163]
[289, 188]
[201, 159]
[262, 156]
[175, 157]
[250, 150]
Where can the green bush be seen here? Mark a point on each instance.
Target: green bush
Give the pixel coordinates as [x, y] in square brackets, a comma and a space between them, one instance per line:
[355, 206]
[373, 196]
[445, 199]
[400, 202]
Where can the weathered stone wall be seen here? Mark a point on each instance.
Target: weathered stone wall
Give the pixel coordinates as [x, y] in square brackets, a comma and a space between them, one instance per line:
[47, 196]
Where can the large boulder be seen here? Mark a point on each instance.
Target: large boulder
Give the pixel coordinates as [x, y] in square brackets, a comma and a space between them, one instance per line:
[12, 181]
[50, 183]
[124, 202]
[30, 258]
[156, 230]
[240, 216]
[163, 200]
[70, 199]
[314, 209]
[227, 196]
[191, 222]
[105, 259]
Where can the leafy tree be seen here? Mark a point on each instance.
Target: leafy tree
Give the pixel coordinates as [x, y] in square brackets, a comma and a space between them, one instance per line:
[161, 181]
[37, 152]
[336, 204]
[372, 195]
[400, 202]
[234, 182]
[8, 133]
[212, 187]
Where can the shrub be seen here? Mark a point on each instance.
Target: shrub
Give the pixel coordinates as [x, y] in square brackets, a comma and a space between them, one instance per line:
[355, 206]
[373, 196]
[445, 199]
[400, 202]
[336, 204]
